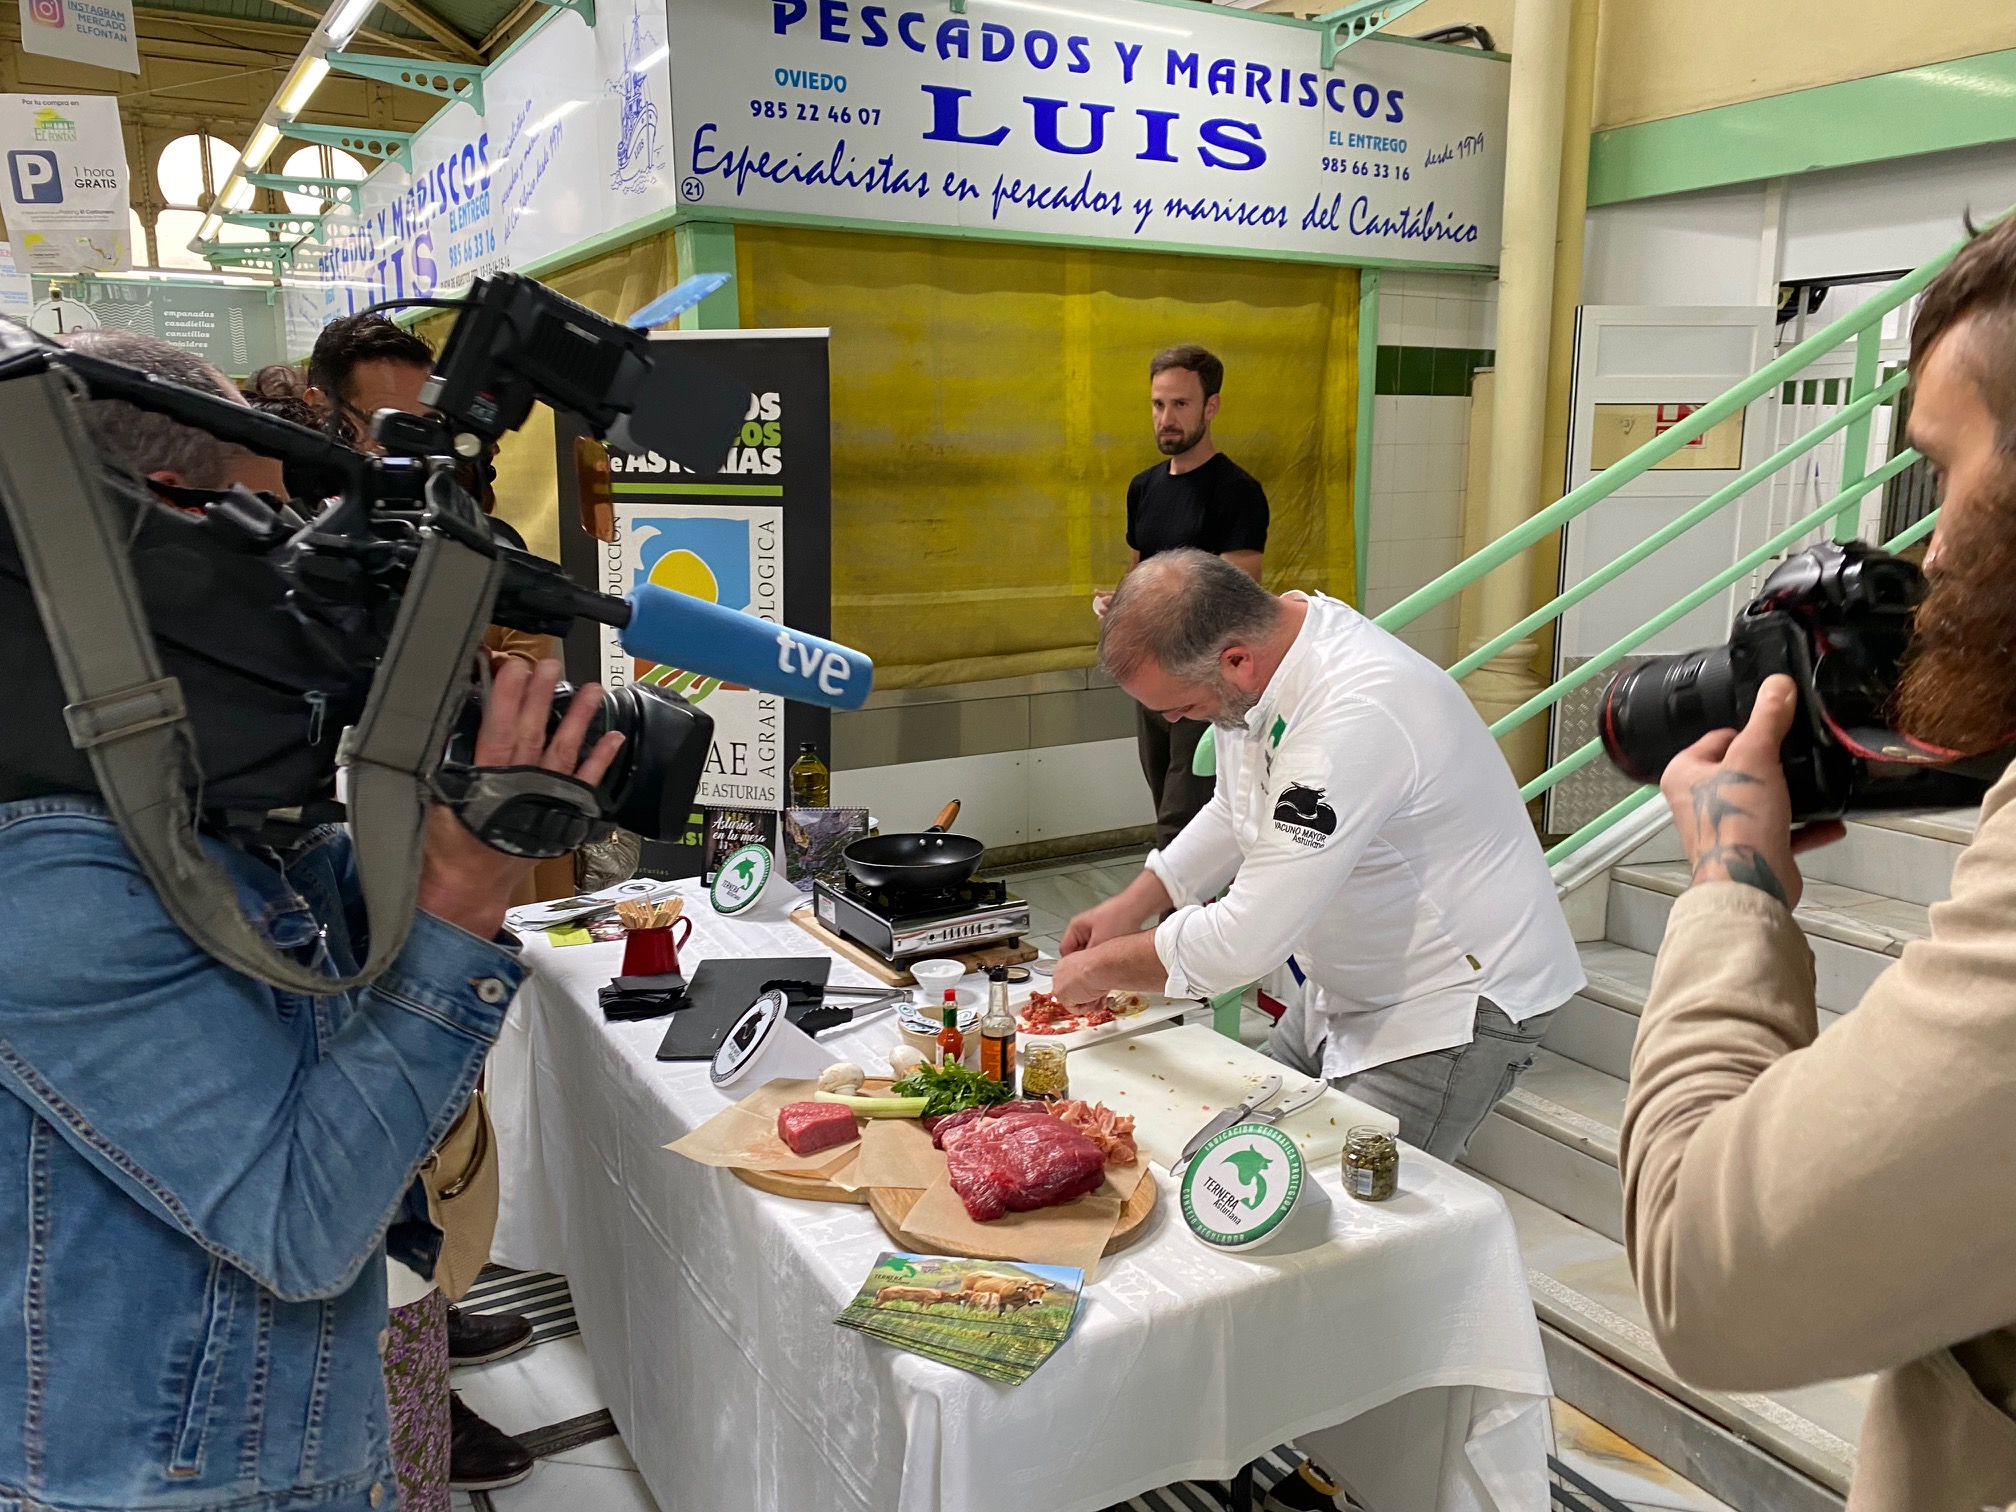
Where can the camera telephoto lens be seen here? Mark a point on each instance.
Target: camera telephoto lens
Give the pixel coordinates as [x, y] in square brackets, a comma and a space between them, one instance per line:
[1652, 712]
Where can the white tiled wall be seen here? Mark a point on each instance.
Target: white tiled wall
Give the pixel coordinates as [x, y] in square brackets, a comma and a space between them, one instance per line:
[1420, 451]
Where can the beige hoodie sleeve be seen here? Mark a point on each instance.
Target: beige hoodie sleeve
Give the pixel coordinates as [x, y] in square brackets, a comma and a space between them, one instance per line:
[1802, 1208]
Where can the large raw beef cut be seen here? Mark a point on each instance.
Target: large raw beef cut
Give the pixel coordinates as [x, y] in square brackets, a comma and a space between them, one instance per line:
[1022, 1160]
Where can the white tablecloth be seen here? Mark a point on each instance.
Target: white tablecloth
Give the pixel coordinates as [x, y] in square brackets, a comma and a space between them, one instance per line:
[707, 1309]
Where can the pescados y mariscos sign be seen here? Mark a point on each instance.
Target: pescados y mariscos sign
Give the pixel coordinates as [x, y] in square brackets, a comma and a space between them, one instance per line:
[1114, 120]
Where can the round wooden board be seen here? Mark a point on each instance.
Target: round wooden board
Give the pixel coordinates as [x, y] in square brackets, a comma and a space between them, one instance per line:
[891, 1205]
[805, 1188]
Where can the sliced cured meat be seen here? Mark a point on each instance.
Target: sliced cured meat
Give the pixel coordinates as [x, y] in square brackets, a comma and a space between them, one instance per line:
[1112, 1132]
[1021, 1161]
[809, 1127]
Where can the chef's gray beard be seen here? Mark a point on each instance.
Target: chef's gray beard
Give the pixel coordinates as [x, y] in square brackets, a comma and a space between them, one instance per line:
[1233, 706]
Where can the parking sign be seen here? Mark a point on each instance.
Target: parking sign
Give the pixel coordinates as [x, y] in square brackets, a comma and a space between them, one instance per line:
[36, 178]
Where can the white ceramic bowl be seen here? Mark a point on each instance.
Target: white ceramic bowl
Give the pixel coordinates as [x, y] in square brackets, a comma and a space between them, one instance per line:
[933, 977]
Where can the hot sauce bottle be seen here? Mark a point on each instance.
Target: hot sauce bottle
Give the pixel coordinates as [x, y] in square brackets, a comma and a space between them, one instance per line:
[951, 1043]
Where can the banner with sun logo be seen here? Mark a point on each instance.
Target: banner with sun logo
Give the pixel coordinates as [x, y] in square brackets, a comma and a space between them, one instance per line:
[730, 554]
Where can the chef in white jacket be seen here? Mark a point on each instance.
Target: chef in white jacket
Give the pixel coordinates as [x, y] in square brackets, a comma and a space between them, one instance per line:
[1368, 827]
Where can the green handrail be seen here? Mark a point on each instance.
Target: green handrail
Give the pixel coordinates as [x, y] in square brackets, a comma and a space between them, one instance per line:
[1910, 535]
[1657, 450]
[1804, 525]
[1853, 414]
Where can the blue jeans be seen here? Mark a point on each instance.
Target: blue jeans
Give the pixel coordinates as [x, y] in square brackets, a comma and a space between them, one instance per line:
[1441, 1097]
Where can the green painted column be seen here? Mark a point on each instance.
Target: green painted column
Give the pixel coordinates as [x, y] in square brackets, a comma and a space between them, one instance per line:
[709, 247]
[1368, 389]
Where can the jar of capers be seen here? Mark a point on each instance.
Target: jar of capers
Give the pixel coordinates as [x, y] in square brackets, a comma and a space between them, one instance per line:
[1371, 1163]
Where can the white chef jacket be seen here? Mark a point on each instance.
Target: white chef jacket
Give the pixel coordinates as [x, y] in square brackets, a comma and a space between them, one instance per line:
[1370, 827]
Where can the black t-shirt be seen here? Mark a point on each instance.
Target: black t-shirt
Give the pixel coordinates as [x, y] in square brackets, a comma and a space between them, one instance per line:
[1218, 507]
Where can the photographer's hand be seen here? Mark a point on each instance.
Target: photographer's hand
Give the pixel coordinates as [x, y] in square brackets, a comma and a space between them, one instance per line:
[1730, 804]
[462, 880]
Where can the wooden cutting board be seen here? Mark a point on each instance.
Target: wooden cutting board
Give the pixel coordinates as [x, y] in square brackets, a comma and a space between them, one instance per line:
[1171, 1082]
[891, 1205]
[897, 976]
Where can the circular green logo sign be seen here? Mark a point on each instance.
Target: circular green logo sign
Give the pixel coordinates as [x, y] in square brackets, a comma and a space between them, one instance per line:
[740, 880]
[1239, 1187]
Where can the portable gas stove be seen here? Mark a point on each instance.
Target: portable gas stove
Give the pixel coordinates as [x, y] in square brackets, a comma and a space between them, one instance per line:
[904, 925]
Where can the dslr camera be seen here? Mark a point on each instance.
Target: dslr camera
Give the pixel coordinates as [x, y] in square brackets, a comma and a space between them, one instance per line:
[1837, 620]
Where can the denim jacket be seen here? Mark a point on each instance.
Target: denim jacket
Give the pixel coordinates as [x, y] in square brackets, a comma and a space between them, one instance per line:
[197, 1172]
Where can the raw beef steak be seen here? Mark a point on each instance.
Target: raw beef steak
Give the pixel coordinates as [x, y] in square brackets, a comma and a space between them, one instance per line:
[808, 1127]
[1023, 1160]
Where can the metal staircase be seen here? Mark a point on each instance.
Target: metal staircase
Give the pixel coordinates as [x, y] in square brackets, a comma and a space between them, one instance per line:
[1551, 1146]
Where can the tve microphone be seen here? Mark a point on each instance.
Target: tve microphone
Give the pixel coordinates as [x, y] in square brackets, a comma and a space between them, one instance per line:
[679, 630]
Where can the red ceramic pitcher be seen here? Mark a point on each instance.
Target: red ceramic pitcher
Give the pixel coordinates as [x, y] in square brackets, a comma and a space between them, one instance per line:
[653, 952]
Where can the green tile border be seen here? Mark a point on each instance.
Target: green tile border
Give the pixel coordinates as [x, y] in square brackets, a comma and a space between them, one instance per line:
[1440, 371]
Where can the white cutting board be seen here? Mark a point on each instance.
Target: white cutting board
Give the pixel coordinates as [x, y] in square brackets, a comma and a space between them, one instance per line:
[1173, 1081]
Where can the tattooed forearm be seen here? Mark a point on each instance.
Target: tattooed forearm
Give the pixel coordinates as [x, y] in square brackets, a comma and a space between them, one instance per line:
[1740, 863]
[1717, 802]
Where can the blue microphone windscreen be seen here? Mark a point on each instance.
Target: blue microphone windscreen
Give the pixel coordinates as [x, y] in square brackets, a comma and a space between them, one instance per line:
[678, 630]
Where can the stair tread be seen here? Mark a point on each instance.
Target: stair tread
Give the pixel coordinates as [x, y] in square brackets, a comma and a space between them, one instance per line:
[1846, 915]
[1618, 975]
[1581, 1284]
[1570, 1102]
[1954, 825]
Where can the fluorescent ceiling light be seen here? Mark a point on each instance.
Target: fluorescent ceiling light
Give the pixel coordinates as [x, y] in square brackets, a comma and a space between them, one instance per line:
[209, 229]
[1057, 10]
[301, 85]
[343, 21]
[265, 137]
[236, 194]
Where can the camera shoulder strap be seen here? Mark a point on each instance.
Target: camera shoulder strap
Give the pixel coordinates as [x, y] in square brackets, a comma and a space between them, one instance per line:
[131, 720]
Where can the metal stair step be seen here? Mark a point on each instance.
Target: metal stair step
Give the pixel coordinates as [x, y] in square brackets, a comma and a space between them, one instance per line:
[1894, 856]
[1582, 1288]
[1854, 935]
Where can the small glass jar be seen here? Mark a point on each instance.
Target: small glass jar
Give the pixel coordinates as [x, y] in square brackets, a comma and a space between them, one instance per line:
[1371, 1163]
[1045, 1075]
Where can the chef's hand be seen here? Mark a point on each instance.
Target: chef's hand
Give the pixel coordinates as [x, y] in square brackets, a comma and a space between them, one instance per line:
[462, 880]
[1124, 913]
[1731, 807]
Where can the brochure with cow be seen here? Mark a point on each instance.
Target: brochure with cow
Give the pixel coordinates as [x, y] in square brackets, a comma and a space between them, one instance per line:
[996, 1318]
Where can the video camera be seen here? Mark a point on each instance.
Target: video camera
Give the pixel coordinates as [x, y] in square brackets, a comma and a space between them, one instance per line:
[218, 668]
[1836, 619]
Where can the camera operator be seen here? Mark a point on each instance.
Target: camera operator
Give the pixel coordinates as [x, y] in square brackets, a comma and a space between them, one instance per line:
[1801, 1206]
[202, 1168]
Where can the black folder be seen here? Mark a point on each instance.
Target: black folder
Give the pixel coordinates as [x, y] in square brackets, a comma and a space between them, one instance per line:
[724, 987]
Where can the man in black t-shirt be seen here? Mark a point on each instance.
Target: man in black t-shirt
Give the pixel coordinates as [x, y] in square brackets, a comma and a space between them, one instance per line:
[1200, 498]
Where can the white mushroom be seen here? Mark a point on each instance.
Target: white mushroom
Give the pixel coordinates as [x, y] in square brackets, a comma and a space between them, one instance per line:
[844, 1078]
[904, 1061]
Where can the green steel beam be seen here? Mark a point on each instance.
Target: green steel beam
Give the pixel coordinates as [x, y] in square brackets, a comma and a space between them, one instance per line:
[446, 81]
[1547, 697]
[337, 191]
[1913, 533]
[1681, 524]
[1357, 21]
[708, 247]
[1581, 757]
[369, 140]
[1361, 454]
[287, 224]
[1855, 448]
[1934, 108]
[1648, 456]
[585, 9]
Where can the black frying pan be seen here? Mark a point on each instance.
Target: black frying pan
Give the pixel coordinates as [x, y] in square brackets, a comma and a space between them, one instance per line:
[917, 863]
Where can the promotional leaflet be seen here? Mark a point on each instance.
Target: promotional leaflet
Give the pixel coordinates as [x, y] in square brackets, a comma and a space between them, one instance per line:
[1112, 120]
[66, 183]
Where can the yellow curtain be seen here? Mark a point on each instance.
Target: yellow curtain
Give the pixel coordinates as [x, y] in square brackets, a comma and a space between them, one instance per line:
[990, 403]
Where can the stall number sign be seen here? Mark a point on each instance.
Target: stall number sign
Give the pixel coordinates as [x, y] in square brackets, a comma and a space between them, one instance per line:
[1112, 120]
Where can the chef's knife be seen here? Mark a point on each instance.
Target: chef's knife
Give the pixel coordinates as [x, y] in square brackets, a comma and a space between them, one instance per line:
[1293, 1105]
[1223, 1121]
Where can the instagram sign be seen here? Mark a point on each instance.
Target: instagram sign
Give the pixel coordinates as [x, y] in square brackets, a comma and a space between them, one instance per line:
[46, 12]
